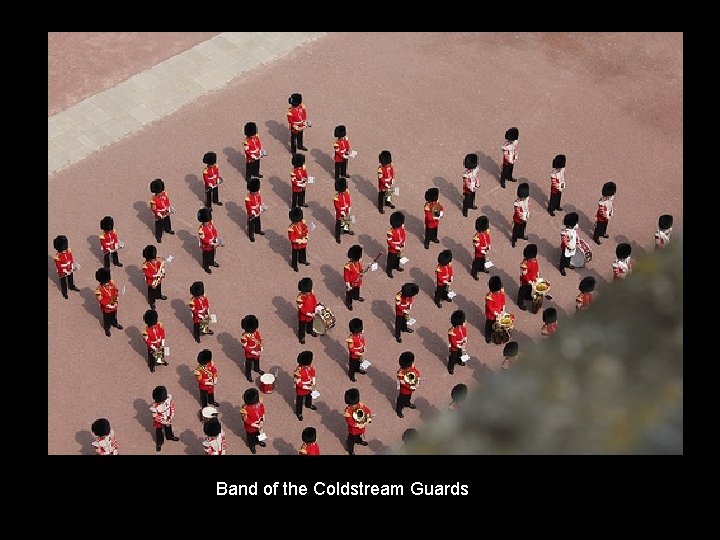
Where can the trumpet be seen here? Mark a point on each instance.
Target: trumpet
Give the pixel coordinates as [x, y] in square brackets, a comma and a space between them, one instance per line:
[411, 379]
[360, 417]
[437, 209]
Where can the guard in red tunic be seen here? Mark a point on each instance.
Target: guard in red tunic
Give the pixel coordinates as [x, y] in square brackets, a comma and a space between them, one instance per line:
[65, 265]
[154, 270]
[408, 379]
[161, 209]
[622, 265]
[521, 213]
[458, 395]
[252, 343]
[208, 236]
[352, 274]
[297, 122]
[304, 378]
[433, 214]
[105, 443]
[215, 443]
[471, 182]
[443, 277]
[109, 242]
[557, 183]
[154, 338]
[206, 374]
[298, 234]
[510, 155]
[253, 207]
[550, 324]
[494, 305]
[356, 348]
[510, 353]
[342, 152]
[309, 445]
[529, 272]
[568, 241]
[482, 244]
[386, 177]
[396, 237]
[163, 411]
[604, 211]
[585, 298]
[253, 151]
[457, 340]
[253, 415]
[107, 294]
[403, 304]
[298, 181]
[342, 209]
[306, 304]
[200, 307]
[211, 179]
[662, 235]
[358, 416]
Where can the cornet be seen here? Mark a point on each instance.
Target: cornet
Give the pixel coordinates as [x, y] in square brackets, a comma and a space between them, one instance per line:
[360, 417]
[411, 379]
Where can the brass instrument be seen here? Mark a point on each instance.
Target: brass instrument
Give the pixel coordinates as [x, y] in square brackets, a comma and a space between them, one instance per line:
[360, 417]
[159, 355]
[345, 223]
[411, 379]
[205, 324]
[437, 209]
[161, 274]
[388, 195]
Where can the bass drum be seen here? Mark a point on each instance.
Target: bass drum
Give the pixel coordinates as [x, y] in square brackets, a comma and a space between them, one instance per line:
[323, 321]
[583, 254]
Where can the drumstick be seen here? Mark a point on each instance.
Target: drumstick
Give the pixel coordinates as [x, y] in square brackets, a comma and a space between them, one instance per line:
[377, 257]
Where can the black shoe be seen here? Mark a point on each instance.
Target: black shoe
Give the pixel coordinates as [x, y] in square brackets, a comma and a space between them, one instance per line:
[360, 299]
[163, 297]
[399, 269]
[351, 233]
[473, 207]
[363, 443]
[392, 206]
[173, 439]
[152, 369]
[262, 443]
[353, 379]
[513, 179]
[306, 263]
[197, 340]
[604, 236]
[562, 272]
[214, 403]
[502, 185]
[597, 241]
[299, 417]
[399, 340]
[158, 447]
[65, 296]
[216, 265]
[388, 275]
[261, 233]
[295, 268]
[249, 379]
[551, 213]
[523, 308]
[464, 214]
[208, 271]
[158, 240]
[259, 176]
[302, 341]
[261, 372]
[560, 208]
[252, 238]
[412, 406]
[435, 241]
[409, 330]
[524, 237]
[302, 148]
[304, 205]
[218, 203]
[427, 246]
[487, 341]
[152, 306]
[476, 278]
[119, 326]
[74, 288]
[313, 407]
[171, 232]
[512, 244]
[253, 451]
[210, 333]
[107, 333]
[362, 372]
[571, 267]
[119, 265]
[400, 414]
[438, 304]
[337, 240]
[314, 334]
[548, 297]
[349, 306]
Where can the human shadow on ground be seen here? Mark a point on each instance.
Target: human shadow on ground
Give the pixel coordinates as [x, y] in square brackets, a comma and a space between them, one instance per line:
[282, 189]
[137, 343]
[235, 159]
[192, 441]
[385, 312]
[334, 281]
[279, 132]
[190, 245]
[286, 312]
[85, 439]
[323, 215]
[325, 162]
[196, 186]
[333, 420]
[366, 187]
[448, 191]
[144, 416]
[426, 283]
[462, 259]
[283, 447]
[145, 215]
[434, 344]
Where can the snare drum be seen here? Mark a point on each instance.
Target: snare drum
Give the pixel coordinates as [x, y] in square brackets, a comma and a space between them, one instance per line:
[583, 254]
[323, 321]
[267, 383]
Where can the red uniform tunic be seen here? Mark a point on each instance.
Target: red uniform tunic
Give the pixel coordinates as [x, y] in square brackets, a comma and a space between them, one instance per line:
[253, 202]
[662, 238]
[431, 221]
[549, 329]
[298, 234]
[297, 116]
[396, 239]
[403, 304]
[107, 295]
[153, 336]
[357, 428]
[298, 179]
[206, 376]
[605, 209]
[457, 336]
[153, 270]
[521, 210]
[406, 388]
[557, 180]
[386, 176]
[211, 174]
[621, 268]
[342, 149]
[583, 300]
[63, 263]
[530, 270]
[107, 445]
[356, 346]
[306, 304]
[470, 181]
[304, 377]
[163, 413]
[200, 307]
[510, 153]
[310, 449]
[252, 343]
[352, 274]
[160, 205]
[253, 414]
[252, 147]
[494, 303]
[481, 242]
[342, 204]
[109, 241]
[208, 234]
[216, 446]
[443, 274]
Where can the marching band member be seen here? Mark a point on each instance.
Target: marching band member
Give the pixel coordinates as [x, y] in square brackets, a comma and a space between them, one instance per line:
[298, 180]
[206, 374]
[494, 305]
[550, 324]
[109, 242]
[443, 277]
[510, 352]
[358, 416]
[253, 415]
[510, 155]
[298, 234]
[65, 263]
[215, 443]
[568, 241]
[481, 243]
[252, 343]
[353, 274]
[297, 122]
[521, 213]
[386, 177]
[396, 237]
[557, 183]
[408, 379]
[253, 207]
[457, 338]
[306, 304]
[585, 298]
[403, 304]
[211, 179]
[622, 265]
[604, 211]
[409, 436]
[304, 378]
[309, 446]
[433, 214]
[342, 152]
[470, 182]
[530, 271]
[107, 295]
[342, 209]
[200, 307]
[662, 235]
[253, 151]
[161, 209]
[163, 411]
[458, 395]
[154, 270]
[105, 443]
[154, 338]
[356, 348]
[208, 236]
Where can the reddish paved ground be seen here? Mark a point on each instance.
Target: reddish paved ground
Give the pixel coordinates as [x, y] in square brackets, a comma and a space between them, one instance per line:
[612, 103]
[81, 64]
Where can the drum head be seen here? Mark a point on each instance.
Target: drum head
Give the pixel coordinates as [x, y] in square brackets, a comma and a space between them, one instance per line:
[209, 412]
[578, 259]
[268, 379]
[318, 325]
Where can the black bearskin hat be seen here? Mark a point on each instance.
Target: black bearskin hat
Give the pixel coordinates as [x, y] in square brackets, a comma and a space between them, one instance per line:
[103, 275]
[495, 283]
[250, 129]
[249, 323]
[204, 356]
[309, 435]
[410, 289]
[665, 222]
[409, 435]
[150, 317]
[251, 396]
[305, 358]
[101, 427]
[295, 214]
[298, 160]
[571, 219]
[159, 394]
[352, 396]
[210, 158]
[204, 215]
[305, 284]
[385, 157]
[340, 131]
[549, 315]
[482, 223]
[470, 161]
[523, 190]
[444, 257]
[587, 284]
[341, 185]
[60, 243]
[406, 359]
[457, 318]
[512, 134]
[149, 252]
[511, 349]
[458, 393]
[157, 186]
[212, 427]
[253, 185]
[355, 325]
[397, 219]
[432, 194]
[608, 189]
[107, 223]
[530, 251]
[295, 99]
[558, 161]
[197, 288]
[623, 251]
[355, 252]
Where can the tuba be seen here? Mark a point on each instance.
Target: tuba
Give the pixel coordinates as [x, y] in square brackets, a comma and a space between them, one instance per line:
[360, 417]
[411, 379]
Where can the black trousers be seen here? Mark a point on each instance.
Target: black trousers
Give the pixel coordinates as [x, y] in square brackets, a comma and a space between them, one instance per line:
[341, 169]
[110, 319]
[304, 327]
[352, 440]
[252, 170]
[159, 438]
[518, 231]
[352, 294]
[489, 323]
[307, 399]
[478, 265]
[253, 226]
[506, 175]
[207, 396]
[252, 439]
[151, 360]
[296, 141]
[393, 263]
[208, 258]
[196, 331]
[600, 230]
[154, 294]
[382, 202]
[162, 224]
[554, 203]
[453, 360]
[297, 199]
[403, 400]
[298, 256]
[468, 202]
[524, 293]
[441, 293]
[400, 325]
[212, 195]
[354, 367]
[115, 259]
[338, 230]
[431, 235]
[564, 262]
[253, 363]
[65, 281]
